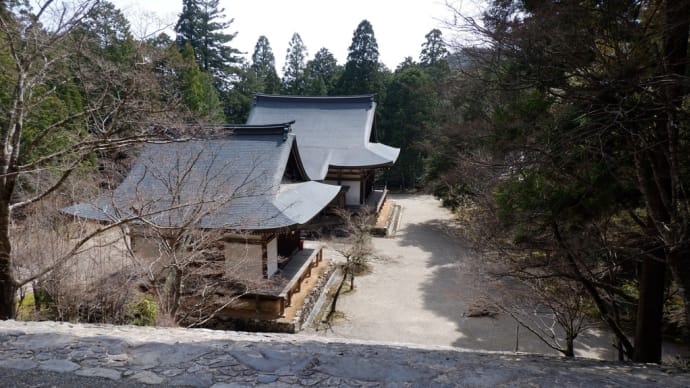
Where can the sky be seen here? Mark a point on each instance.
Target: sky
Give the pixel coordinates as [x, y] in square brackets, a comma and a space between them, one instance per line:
[399, 25]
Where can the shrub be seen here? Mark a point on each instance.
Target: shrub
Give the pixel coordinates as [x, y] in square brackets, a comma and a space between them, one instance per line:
[143, 311]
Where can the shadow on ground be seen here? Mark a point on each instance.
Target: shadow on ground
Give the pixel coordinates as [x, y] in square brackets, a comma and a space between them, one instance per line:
[461, 284]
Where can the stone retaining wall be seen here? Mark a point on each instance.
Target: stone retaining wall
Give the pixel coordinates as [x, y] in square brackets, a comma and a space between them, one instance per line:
[132, 356]
[278, 326]
[313, 296]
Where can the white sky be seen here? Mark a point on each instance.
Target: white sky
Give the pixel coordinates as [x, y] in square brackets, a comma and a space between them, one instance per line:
[399, 26]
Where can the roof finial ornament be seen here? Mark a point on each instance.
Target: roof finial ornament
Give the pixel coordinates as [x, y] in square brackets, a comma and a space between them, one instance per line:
[287, 129]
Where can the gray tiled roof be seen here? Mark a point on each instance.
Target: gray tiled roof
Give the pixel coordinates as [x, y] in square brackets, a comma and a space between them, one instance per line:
[331, 131]
[229, 182]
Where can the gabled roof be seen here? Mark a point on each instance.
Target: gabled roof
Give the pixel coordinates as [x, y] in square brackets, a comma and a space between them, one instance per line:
[232, 181]
[331, 131]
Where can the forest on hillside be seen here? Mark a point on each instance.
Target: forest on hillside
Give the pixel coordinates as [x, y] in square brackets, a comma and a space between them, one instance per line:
[561, 139]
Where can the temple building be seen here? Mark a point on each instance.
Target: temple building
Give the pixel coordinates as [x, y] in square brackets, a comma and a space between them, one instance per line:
[247, 184]
[334, 135]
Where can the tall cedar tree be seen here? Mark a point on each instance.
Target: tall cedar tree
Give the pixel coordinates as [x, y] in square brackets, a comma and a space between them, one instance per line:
[591, 127]
[322, 73]
[294, 80]
[264, 66]
[199, 94]
[407, 110]
[434, 49]
[201, 25]
[434, 57]
[362, 71]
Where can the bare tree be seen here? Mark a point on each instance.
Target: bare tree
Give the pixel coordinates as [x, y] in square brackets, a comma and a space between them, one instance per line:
[358, 250]
[559, 316]
[183, 219]
[43, 49]
[91, 285]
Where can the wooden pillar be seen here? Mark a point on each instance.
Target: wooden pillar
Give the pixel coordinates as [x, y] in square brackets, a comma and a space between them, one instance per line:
[362, 188]
[264, 256]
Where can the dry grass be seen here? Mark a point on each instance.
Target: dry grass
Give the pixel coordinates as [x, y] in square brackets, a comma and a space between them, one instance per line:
[482, 308]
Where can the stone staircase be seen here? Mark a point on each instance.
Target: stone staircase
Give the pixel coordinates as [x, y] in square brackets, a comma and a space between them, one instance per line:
[388, 219]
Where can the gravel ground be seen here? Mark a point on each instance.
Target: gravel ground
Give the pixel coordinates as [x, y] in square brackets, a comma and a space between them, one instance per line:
[423, 288]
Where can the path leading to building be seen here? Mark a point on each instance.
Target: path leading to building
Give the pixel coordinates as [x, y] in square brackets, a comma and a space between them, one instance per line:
[422, 289]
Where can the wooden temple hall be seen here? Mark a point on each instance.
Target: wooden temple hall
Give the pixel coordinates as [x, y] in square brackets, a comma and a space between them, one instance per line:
[334, 135]
[255, 186]
[247, 185]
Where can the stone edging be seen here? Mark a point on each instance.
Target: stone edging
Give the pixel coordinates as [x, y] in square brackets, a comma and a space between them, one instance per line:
[310, 300]
[206, 358]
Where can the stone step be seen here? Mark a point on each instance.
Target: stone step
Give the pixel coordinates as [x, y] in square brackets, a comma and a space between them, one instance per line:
[388, 220]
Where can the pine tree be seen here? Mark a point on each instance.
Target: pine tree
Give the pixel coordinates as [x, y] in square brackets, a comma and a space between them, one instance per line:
[293, 71]
[201, 25]
[362, 70]
[264, 66]
[434, 49]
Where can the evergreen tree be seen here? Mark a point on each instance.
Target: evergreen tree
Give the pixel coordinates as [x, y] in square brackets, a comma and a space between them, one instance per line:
[293, 71]
[406, 63]
[585, 117]
[264, 66]
[322, 72]
[407, 111]
[161, 40]
[434, 56]
[434, 49]
[199, 94]
[362, 70]
[108, 32]
[201, 25]
[237, 101]
[364, 48]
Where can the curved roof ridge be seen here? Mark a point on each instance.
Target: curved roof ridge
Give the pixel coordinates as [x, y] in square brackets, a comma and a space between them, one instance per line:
[320, 99]
[260, 129]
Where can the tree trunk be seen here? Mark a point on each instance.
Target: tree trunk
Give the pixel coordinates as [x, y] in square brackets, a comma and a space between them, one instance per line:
[650, 311]
[570, 347]
[37, 297]
[659, 176]
[675, 69]
[680, 272]
[8, 285]
[335, 297]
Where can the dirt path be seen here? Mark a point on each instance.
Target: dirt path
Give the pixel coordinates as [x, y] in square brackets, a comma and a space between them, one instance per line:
[421, 291]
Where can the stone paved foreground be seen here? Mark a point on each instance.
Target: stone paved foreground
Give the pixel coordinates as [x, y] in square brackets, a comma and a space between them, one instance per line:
[133, 356]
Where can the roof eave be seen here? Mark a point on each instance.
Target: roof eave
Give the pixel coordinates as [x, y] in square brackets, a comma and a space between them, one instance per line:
[321, 99]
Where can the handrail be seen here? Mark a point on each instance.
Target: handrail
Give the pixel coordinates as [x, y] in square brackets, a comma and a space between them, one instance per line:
[297, 280]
